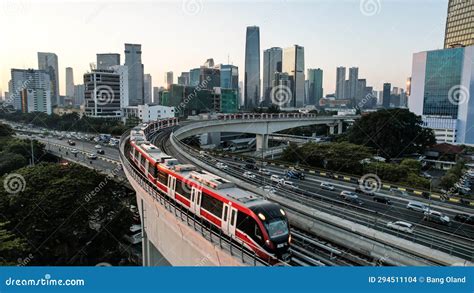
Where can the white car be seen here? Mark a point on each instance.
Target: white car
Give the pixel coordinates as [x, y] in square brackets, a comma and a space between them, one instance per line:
[289, 184]
[221, 165]
[74, 151]
[417, 206]
[401, 226]
[249, 175]
[269, 189]
[436, 216]
[98, 146]
[91, 156]
[264, 172]
[276, 178]
[348, 194]
[327, 186]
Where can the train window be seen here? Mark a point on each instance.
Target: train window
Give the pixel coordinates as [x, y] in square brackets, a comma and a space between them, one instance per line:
[232, 218]
[183, 189]
[152, 169]
[226, 211]
[211, 205]
[258, 233]
[142, 161]
[163, 177]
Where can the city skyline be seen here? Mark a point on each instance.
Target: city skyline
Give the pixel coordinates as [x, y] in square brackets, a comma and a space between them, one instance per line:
[324, 48]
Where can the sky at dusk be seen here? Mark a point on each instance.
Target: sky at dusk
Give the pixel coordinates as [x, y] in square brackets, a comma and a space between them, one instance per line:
[378, 36]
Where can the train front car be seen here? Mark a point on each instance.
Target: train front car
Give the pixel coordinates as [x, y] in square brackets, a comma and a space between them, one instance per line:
[276, 224]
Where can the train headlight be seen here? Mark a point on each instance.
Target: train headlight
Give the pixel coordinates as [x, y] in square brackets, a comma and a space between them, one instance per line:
[261, 216]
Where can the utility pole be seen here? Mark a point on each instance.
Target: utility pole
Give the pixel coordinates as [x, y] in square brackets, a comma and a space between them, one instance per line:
[32, 153]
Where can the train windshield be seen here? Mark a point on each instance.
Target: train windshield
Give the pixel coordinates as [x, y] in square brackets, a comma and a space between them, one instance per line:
[277, 227]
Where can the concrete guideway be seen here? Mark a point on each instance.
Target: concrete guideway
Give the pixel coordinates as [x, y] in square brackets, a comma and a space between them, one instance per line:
[401, 251]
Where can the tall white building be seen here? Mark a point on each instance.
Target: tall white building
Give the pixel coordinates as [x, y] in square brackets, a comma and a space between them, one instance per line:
[69, 83]
[30, 91]
[49, 63]
[169, 79]
[146, 113]
[272, 62]
[148, 97]
[442, 87]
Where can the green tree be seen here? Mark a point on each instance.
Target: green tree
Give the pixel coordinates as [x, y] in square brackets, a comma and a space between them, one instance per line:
[413, 165]
[10, 162]
[393, 132]
[11, 246]
[75, 215]
[5, 130]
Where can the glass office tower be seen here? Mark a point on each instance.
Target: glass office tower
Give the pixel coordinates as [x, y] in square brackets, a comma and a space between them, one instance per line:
[252, 68]
[459, 24]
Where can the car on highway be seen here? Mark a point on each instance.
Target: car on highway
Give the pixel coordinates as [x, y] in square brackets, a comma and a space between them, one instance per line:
[401, 226]
[396, 191]
[327, 186]
[417, 206]
[294, 173]
[100, 151]
[437, 217]
[98, 146]
[71, 142]
[464, 218]
[268, 188]
[348, 194]
[221, 165]
[276, 178]
[382, 199]
[250, 161]
[264, 172]
[249, 175]
[250, 167]
[74, 151]
[289, 184]
[91, 156]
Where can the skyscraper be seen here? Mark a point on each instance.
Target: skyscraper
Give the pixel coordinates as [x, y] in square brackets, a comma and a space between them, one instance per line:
[69, 83]
[148, 89]
[194, 75]
[387, 93]
[353, 79]
[442, 91]
[252, 68]
[169, 79]
[136, 87]
[106, 60]
[272, 62]
[315, 86]
[459, 24]
[340, 82]
[293, 64]
[49, 63]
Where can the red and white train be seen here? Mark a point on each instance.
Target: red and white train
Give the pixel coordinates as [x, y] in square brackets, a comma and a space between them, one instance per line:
[261, 225]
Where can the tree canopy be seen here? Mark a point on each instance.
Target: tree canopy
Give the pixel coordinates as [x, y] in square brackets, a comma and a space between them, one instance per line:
[393, 132]
[68, 215]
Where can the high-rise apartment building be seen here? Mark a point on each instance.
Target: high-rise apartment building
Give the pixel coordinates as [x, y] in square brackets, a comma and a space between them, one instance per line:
[459, 24]
[387, 93]
[353, 79]
[133, 61]
[169, 77]
[293, 64]
[30, 91]
[252, 68]
[49, 63]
